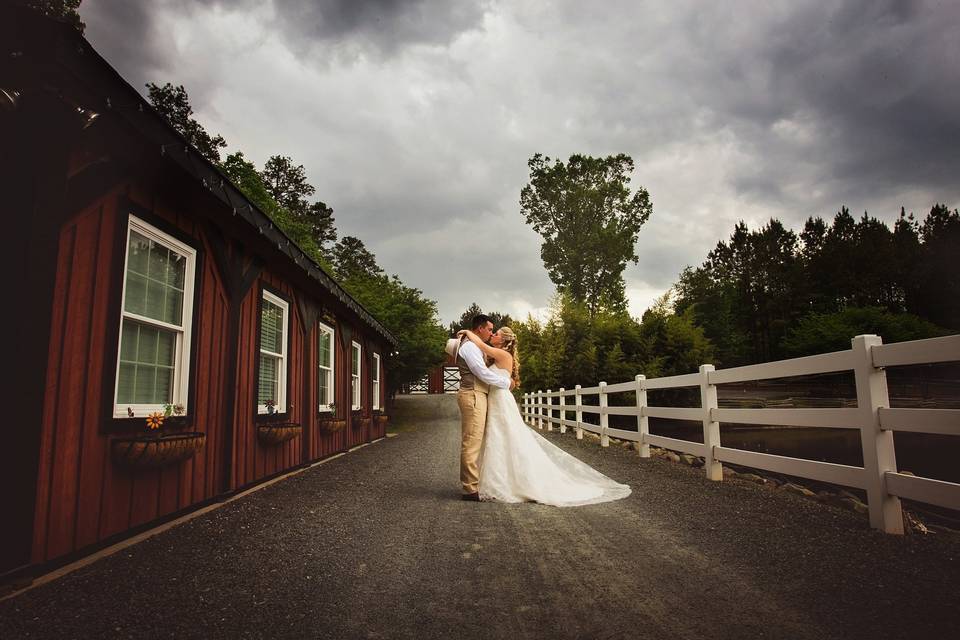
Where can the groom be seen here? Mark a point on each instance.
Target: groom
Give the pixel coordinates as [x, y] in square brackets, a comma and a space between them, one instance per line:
[475, 382]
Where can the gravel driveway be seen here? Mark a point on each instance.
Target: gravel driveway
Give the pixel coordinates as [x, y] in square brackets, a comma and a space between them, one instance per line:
[376, 544]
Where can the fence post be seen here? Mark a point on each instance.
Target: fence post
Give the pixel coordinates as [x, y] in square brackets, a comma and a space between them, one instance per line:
[879, 455]
[711, 428]
[643, 422]
[578, 411]
[604, 418]
[526, 408]
[563, 411]
[549, 411]
[539, 409]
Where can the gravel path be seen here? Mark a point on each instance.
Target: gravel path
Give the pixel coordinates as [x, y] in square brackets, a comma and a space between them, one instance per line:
[376, 544]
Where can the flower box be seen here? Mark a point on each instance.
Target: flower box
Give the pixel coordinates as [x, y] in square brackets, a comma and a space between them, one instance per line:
[274, 434]
[152, 452]
[332, 425]
[362, 423]
[382, 420]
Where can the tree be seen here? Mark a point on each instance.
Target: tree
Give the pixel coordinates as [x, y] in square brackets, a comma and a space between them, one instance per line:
[589, 222]
[173, 103]
[245, 176]
[320, 219]
[823, 333]
[466, 318]
[65, 10]
[351, 259]
[287, 183]
[938, 280]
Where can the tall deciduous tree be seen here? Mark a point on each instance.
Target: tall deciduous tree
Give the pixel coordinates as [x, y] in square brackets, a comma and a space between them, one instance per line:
[173, 103]
[589, 221]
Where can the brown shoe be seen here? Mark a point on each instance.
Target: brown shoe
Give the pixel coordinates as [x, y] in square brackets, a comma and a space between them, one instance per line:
[471, 497]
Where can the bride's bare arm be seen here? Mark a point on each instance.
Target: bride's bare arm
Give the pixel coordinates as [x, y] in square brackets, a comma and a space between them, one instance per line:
[493, 352]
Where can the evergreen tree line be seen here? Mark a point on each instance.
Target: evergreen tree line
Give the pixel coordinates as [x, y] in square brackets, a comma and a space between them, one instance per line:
[771, 293]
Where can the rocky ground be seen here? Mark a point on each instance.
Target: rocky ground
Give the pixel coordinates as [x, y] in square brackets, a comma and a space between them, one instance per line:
[377, 544]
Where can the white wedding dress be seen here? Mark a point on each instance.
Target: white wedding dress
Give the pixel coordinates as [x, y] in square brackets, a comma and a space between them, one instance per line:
[520, 465]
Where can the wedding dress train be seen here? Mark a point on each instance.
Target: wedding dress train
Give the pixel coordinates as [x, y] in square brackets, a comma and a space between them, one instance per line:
[520, 465]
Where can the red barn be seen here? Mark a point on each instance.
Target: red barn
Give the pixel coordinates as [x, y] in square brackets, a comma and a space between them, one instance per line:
[144, 282]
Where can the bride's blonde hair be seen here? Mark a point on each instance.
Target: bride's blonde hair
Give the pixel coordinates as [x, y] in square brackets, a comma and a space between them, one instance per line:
[510, 346]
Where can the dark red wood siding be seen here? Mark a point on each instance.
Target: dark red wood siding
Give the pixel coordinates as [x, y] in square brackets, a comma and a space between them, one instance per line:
[81, 497]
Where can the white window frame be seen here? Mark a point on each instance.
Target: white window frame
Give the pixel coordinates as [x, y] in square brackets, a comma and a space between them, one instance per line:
[375, 381]
[322, 371]
[181, 361]
[281, 406]
[356, 397]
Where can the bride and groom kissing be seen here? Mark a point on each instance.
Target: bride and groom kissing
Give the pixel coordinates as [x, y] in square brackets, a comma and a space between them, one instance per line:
[501, 459]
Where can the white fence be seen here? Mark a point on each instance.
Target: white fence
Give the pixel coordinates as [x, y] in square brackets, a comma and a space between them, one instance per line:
[873, 417]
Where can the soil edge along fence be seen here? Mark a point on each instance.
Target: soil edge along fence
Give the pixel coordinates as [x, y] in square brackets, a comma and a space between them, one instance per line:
[873, 417]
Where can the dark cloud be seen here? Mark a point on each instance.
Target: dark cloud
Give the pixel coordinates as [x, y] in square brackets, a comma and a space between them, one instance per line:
[383, 26]
[125, 32]
[877, 85]
[731, 111]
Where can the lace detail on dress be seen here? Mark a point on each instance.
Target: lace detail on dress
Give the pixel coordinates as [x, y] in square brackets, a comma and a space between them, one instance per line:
[520, 465]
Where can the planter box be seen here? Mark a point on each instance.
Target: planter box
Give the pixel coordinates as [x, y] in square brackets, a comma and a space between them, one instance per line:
[274, 434]
[332, 425]
[382, 420]
[148, 452]
[362, 423]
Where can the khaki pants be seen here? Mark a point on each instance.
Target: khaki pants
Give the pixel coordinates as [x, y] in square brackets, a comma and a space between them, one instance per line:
[473, 419]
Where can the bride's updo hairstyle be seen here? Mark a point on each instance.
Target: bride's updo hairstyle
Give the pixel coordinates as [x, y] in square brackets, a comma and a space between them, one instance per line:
[510, 346]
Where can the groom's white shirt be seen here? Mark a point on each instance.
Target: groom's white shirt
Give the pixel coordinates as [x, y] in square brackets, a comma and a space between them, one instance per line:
[474, 358]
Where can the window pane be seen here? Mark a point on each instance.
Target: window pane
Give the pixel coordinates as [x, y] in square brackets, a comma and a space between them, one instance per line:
[156, 293]
[137, 250]
[145, 387]
[176, 270]
[135, 296]
[323, 393]
[147, 348]
[271, 327]
[174, 306]
[128, 374]
[166, 340]
[324, 349]
[268, 379]
[164, 388]
[157, 264]
[129, 337]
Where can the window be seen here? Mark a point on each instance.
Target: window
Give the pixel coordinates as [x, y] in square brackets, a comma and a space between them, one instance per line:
[355, 375]
[375, 376]
[153, 367]
[325, 365]
[272, 384]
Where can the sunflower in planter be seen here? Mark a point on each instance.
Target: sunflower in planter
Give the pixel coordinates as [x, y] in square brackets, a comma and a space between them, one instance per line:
[155, 420]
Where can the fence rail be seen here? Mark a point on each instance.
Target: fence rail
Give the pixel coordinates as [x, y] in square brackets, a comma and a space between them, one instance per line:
[873, 417]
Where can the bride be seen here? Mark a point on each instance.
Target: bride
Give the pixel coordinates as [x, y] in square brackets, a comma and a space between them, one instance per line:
[519, 465]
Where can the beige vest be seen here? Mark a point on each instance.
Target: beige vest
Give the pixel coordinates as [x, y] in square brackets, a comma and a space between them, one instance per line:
[468, 381]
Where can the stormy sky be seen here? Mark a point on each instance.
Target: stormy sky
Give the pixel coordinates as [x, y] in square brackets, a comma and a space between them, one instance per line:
[415, 118]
